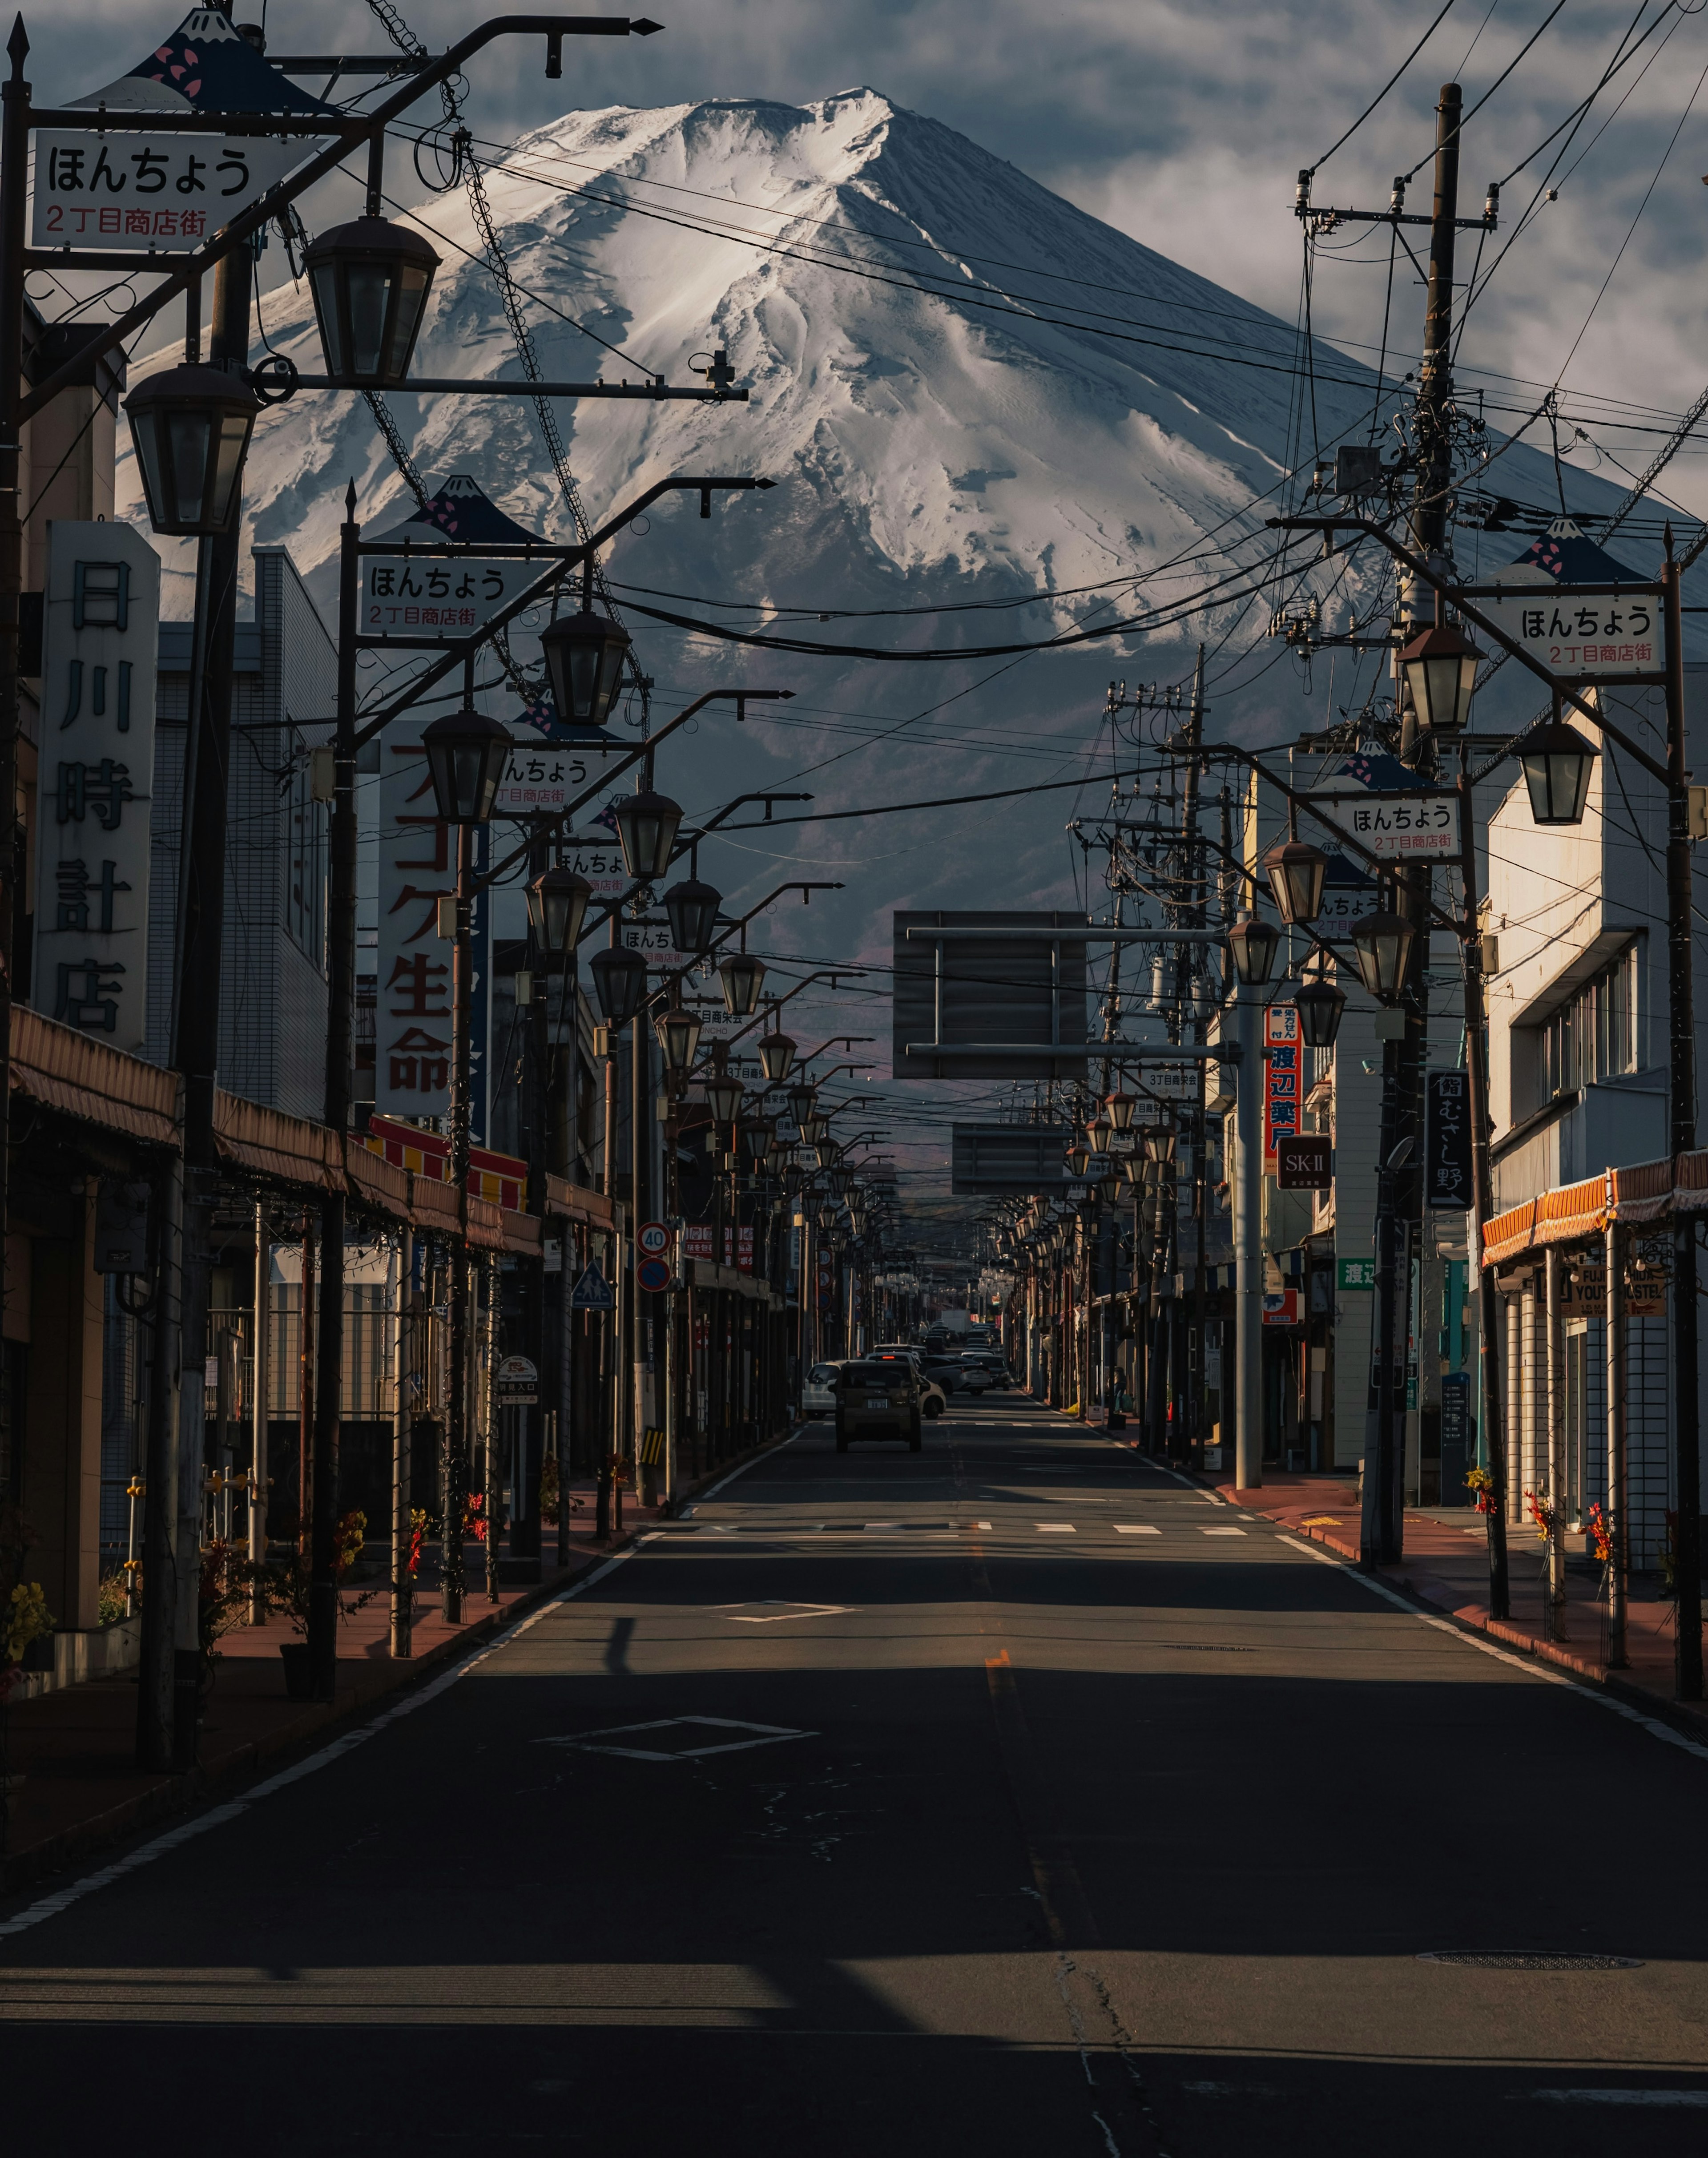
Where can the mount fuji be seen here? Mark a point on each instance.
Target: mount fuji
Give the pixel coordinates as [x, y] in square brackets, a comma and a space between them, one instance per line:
[991, 420]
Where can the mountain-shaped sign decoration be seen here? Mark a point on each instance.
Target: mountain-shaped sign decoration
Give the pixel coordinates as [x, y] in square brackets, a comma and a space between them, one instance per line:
[204, 66]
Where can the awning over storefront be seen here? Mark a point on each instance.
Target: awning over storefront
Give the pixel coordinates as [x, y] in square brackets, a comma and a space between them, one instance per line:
[70, 1071]
[1574, 1213]
[289, 1149]
[574, 1202]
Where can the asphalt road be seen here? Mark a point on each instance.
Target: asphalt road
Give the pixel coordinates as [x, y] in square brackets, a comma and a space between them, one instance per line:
[1011, 1798]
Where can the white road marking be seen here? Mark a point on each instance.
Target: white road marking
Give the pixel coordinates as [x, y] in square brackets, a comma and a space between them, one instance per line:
[1198, 1491]
[771, 1734]
[50, 1905]
[1136, 1529]
[1222, 1532]
[1055, 1528]
[1616, 2097]
[746, 1614]
[1541, 1672]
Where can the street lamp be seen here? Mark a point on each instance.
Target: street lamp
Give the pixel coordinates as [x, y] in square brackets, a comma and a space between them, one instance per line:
[191, 427]
[1253, 943]
[1381, 945]
[801, 1097]
[1320, 1004]
[646, 825]
[1160, 1142]
[370, 280]
[1109, 1189]
[1440, 667]
[743, 976]
[776, 1055]
[1078, 1159]
[723, 1098]
[1296, 871]
[678, 1037]
[1097, 1136]
[465, 754]
[1118, 1108]
[1556, 761]
[693, 909]
[759, 1143]
[584, 655]
[557, 905]
[620, 983]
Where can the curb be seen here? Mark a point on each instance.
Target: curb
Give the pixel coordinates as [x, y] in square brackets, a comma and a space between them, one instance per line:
[178, 1793]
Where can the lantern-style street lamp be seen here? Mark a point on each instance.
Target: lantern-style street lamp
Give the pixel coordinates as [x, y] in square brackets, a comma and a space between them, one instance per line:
[370, 280]
[1381, 945]
[465, 754]
[1097, 1136]
[693, 910]
[191, 427]
[619, 983]
[1320, 1004]
[1253, 943]
[801, 1097]
[1118, 1108]
[742, 974]
[678, 1037]
[646, 824]
[1440, 667]
[1109, 1189]
[776, 1055]
[1556, 761]
[557, 905]
[1078, 1159]
[1296, 871]
[1160, 1141]
[724, 1098]
[584, 655]
[757, 1141]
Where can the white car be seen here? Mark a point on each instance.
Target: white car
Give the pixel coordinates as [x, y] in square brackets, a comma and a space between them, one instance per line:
[818, 1393]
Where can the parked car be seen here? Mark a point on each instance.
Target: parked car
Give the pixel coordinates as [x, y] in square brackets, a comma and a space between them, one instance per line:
[986, 1360]
[933, 1399]
[878, 1400]
[819, 1392]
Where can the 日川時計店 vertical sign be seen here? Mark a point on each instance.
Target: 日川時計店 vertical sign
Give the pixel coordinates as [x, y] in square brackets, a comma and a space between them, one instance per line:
[150, 194]
[100, 634]
[413, 1043]
[1284, 1077]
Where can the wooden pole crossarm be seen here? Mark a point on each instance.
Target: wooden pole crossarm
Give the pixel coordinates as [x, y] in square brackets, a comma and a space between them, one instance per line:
[371, 126]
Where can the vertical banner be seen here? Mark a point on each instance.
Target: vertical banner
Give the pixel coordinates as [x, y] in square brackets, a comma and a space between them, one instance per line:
[1447, 1181]
[1282, 1079]
[412, 1051]
[99, 647]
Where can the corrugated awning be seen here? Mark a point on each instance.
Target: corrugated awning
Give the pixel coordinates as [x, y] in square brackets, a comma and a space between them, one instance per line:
[288, 1150]
[575, 1202]
[70, 1071]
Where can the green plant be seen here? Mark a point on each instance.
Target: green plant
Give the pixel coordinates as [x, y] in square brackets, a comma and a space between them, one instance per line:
[284, 1586]
[111, 1597]
[24, 1616]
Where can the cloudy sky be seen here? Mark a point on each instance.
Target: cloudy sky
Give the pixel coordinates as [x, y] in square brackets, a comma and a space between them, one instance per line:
[1185, 126]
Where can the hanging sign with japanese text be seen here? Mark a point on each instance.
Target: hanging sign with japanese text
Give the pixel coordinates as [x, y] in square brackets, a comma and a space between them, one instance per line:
[412, 1048]
[1283, 1059]
[1447, 1153]
[150, 194]
[100, 645]
[1412, 826]
[1579, 635]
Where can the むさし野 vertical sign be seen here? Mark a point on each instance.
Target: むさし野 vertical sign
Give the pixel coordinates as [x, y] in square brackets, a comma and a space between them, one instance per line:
[412, 1010]
[1283, 1078]
[100, 631]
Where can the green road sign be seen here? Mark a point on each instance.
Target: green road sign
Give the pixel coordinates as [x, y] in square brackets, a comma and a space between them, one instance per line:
[1355, 1273]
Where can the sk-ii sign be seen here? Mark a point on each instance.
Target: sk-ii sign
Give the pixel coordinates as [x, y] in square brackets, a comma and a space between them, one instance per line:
[100, 634]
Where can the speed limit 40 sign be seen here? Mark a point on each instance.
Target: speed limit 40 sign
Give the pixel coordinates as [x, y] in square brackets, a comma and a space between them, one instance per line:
[653, 1239]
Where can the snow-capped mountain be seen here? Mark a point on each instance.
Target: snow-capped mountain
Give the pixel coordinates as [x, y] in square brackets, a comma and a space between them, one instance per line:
[1063, 411]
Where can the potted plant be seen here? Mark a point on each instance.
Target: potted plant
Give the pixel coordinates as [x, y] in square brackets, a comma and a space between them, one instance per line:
[286, 1586]
[24, 1618]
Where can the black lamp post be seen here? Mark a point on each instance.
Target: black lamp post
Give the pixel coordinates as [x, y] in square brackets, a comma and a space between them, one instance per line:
[1556, 760]
[191, 427]
[646, 825]
[584, 655]
[619, 983]
[1381, 945]
[370, 280]
[1097, 1136]
[693, 909]
[466, 753]
[1253, 943]
[557, 905]
[743, 977]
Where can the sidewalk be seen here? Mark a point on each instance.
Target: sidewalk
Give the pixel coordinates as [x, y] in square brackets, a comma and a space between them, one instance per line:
[1446, 1566]
[75, 1748]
